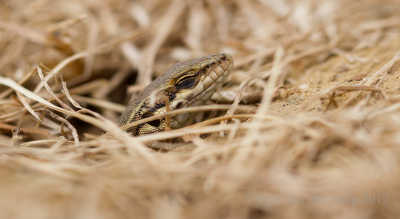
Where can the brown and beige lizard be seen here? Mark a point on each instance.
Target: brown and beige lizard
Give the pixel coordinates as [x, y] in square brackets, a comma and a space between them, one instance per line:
[185, 84]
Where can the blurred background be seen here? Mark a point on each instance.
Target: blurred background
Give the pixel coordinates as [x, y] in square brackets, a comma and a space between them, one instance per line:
[108, 51]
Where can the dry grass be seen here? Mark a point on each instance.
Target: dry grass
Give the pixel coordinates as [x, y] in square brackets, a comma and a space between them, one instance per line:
[320, 80]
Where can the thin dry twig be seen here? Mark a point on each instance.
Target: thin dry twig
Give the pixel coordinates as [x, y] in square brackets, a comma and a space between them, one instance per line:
[167, 118]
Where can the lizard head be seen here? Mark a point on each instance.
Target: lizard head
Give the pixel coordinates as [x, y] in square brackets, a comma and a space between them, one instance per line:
[185, 84]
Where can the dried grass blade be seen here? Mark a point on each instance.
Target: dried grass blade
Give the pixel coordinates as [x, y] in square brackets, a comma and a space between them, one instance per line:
[238, 98]
[40, 73]
[270, 87]
[38, 142]
[26, 105]
[103, 124]
[29, 33]
[24, 130]
[384, 69]
[101, 103]
[73, 129]
[165, 27]
[88, 52]
[185, 110]
[66, 92]
[23, 80]
[185, 131]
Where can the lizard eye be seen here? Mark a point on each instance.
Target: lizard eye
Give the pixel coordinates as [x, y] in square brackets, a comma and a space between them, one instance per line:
[154, 123]
[186, 83]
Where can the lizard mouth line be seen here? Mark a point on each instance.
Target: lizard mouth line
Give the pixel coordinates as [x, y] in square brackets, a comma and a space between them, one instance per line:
[190, 102]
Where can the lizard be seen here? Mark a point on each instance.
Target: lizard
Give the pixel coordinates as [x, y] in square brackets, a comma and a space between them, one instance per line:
[190, 83]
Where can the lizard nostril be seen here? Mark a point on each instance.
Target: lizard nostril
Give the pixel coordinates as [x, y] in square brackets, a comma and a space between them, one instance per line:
[179, 105]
